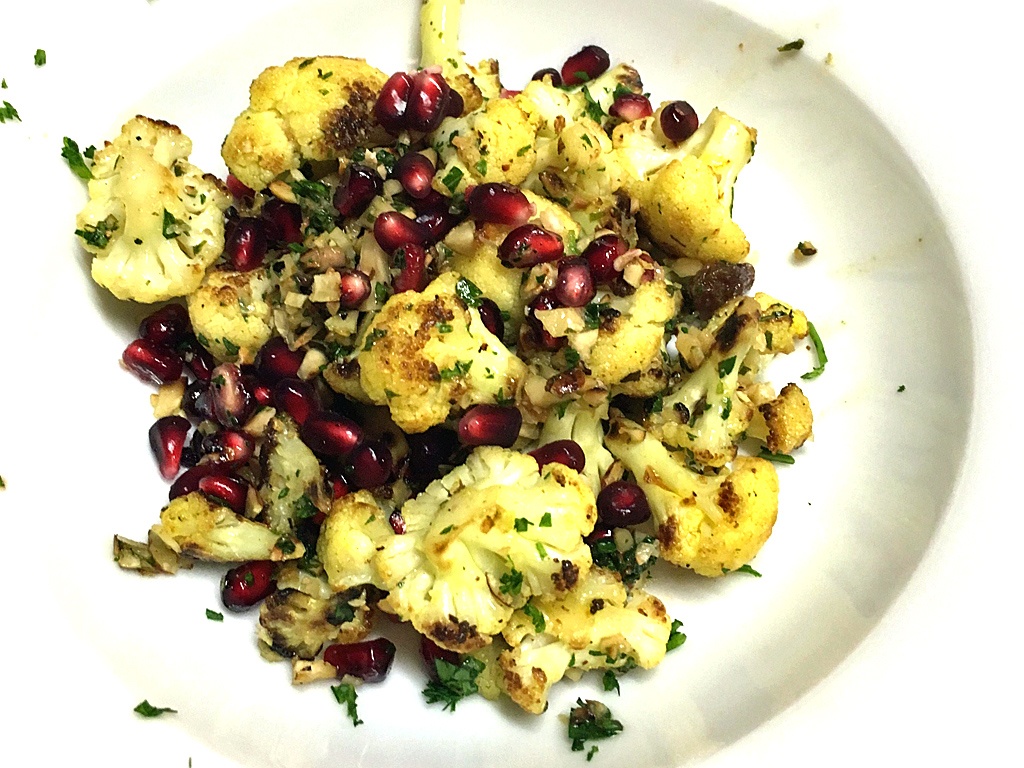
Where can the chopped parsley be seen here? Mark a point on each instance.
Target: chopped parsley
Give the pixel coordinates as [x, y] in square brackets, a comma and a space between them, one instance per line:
[468, 292]
[778, 458]
[725, 366]
[461, 369]
[304, 507]
[214, 615]
[534, 614]
[8, 112]
[373, 337]
[901, 388]
[173, 227]
[381, 292]
[76, 160]
[793, 45]
[675, 636]
[481, 167]
[40, 57]
[819, 351]
[2, 484]
[148, 710]
[545, 520]
[452, 179]
[324, 75]
[511, 582]
[98, 236]
[593, 107]
[746, 568]
[589, 721]
[453, 682]
[521, 524]
[345, 694]
[610, 681]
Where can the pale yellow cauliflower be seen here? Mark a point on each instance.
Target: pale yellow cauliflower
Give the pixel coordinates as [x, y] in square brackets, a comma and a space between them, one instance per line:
[154, 222]
[309, 109]
[425, 354]
[353, 533]
[483, 539]
[231, 315]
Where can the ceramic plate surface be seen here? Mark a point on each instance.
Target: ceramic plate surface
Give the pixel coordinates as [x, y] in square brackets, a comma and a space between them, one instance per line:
[858, 509]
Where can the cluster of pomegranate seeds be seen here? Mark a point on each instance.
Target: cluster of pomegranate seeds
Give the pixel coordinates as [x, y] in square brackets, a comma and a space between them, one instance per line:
[248, 584]
[567, 452]
[622, 504]
[393, 229]
[678, 121]
[490, 425]
[631, 106]
[416, 101]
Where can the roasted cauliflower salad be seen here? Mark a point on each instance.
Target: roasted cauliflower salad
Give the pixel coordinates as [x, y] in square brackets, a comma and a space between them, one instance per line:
[482, 360]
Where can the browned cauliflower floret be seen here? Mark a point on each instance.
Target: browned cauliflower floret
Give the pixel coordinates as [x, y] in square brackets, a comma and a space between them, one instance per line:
[425, 353]
[785, 423]
[711, 524]
[231, 315]
[309, 109]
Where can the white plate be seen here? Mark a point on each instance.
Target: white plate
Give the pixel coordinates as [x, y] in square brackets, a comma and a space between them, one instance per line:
[873, 497]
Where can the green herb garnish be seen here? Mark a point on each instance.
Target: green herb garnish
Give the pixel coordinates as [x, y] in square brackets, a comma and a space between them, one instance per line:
[148, 710]
[345, 694]
[588, 721]
[453, 682]
[76, 162]
[819, 351]
[214, 615]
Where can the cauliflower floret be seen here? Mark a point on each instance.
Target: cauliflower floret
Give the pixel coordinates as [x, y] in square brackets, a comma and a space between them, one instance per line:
[424, 353]
[231, 315]
[494, 143]
[784, 423]
[582, 423]
[684, 191]
[293, 490]
[154, 222]
[630, 342]
[483, 539]
[710, 524]
[707, 413]
[780, 327]
[309, 109]
[194, 525]
[597, 625]
[351, 535]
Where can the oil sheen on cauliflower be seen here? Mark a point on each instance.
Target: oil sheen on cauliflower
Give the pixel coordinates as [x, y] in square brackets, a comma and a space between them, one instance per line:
[154, 222]
[309, 109]
[428, 352]
[481, 541]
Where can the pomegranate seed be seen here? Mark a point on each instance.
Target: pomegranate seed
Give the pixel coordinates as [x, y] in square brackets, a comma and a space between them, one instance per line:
[283, 221]
[360, 186]
[490, 425]
[238, 190]
[427, 452]
[337, 484]
[197, 358]
[228, 489]
[372, 464]
[232, 402]
[169, 325]
[456, 104]
[428, 101]
[228, 448]
[601, 255]
[188, 481]
[554, 74]
[393, 102]
[566, 452]
[393, 229]
[586, 64]
[196, 401]
[355, 288]
[152, 362]
[430, 652]
[167, 438]
[297, 398]
[621, 504]
[415, 173]
[247, 584]
[246, 244]
[541, 336]
[678, 121]
[438, 223]
[369, 660]
[413, 275]
[529, 244]
[331, 434]
[397, 523]
[574, 286]
[490, 314]
[261, 393]
[500, 203]
[631, 106]
[276, 361]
